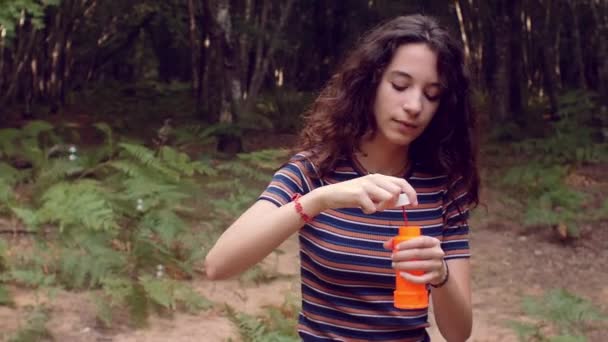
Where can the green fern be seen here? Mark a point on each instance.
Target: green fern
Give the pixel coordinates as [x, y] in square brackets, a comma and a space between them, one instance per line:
[5, 296]
[115, 291]
[138, 303]
[568, 314]
[89, 261]
[276, 325]
[36, 127]
[9, 174]
[147, 158]
[548, 200]
[83, 204]
[193, 134]
[8, 138]
[33, 278]
[169, 293]
[165, 224]
[119, 213]
[35, 328]
[108, 148]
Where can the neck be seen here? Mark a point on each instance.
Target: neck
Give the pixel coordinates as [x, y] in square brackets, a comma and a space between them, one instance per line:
[386, 159]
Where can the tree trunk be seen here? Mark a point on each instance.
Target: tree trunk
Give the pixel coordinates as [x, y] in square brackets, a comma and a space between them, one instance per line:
[549, 41]
[194, 48]
[517, 85]
[203, 77]
[263, 59]
[579, 65]
[502, 79]
[2, 50]
[27, 36]
[600, 14]
[231, 89]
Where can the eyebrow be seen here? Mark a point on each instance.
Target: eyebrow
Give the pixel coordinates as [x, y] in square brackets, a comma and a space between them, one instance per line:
[406, 75]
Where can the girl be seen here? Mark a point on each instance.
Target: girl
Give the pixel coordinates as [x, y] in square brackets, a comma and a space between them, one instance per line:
[394, 119]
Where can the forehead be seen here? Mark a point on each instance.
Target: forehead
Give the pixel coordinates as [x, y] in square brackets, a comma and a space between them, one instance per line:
[416, 60]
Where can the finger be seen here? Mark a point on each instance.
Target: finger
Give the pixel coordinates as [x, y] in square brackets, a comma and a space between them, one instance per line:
[408, 190]
[419, 265]
[389, 203]
[419, 279]
[423, 241]
[418, 254]
[376, 193]
[387, 184]
[388, 244]
[366, 204]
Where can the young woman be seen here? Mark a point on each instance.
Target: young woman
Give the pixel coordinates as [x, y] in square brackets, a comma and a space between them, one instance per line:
[394, 119]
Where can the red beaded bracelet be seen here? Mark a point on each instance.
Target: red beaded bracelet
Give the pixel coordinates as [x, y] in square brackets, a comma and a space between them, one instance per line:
[299, 209]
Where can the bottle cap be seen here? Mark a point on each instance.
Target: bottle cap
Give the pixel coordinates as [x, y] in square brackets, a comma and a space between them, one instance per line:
[402, 200]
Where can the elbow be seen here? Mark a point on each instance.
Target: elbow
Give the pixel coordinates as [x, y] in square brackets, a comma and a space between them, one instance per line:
[457, 331]
[212, 270]
[462, 335]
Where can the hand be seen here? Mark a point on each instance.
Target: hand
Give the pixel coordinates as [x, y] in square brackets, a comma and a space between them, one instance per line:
[422, 253]
[371, 193]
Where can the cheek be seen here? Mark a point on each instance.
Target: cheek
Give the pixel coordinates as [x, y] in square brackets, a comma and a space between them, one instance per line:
[430, 113]
[382, 102]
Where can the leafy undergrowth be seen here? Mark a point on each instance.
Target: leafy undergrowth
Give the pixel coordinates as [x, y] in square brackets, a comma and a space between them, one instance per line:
[119, 217]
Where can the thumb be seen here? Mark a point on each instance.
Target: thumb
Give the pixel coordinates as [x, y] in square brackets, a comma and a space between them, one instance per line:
[388, 244]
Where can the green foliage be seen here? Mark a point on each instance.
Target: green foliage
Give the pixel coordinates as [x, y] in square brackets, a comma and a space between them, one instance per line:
[548, 200]
[573, 138]
[539, 184]
[118, 216]
[243, 179]
[12, 10]
[83, 203]
[145, 294]
[5, 297]
[283, 109]
[35, 329]
[169, 293]
[276, 325]
[567, 315]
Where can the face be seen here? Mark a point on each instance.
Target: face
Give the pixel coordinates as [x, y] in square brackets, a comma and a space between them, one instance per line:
[407, 96]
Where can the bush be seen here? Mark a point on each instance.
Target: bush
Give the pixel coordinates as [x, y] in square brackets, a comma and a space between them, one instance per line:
[105, 218]
[558, 316]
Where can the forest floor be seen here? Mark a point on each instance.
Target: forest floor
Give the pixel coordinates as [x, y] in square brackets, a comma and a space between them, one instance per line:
[509, 262]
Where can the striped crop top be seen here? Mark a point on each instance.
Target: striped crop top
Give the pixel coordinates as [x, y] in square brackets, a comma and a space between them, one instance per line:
[346, 274]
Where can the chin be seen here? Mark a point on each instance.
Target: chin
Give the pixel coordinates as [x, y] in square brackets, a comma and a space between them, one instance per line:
[401, 142]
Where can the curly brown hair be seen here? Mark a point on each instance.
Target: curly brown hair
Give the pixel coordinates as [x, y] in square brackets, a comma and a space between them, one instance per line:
[343, 112]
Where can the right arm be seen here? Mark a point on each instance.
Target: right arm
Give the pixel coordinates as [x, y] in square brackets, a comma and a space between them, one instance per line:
[264, 226]
[254, 235]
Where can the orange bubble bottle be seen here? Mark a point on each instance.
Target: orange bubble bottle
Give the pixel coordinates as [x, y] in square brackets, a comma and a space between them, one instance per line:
[407, 294]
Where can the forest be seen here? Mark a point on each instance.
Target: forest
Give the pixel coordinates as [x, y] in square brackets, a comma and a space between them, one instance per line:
[132, 133]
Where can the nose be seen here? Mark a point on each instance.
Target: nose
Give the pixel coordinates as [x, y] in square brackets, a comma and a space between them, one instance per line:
[412, 101]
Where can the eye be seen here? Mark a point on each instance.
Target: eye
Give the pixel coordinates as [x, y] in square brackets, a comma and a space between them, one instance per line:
[433, 98]
[398, 87]
[433, 95]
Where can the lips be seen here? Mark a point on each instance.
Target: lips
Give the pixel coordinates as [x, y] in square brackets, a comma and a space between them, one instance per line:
[405, 124]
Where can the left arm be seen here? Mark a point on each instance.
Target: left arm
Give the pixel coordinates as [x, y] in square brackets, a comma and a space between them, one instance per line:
[452, 301]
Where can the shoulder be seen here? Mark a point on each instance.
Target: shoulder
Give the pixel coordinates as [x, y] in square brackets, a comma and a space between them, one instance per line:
[304, 160]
